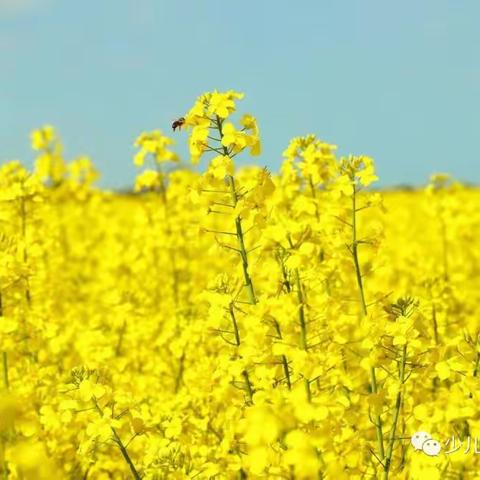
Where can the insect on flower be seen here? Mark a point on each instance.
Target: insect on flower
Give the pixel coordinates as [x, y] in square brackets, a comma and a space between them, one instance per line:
[178, 123]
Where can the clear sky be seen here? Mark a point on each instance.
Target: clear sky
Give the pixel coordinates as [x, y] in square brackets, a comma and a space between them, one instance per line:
[397, 80]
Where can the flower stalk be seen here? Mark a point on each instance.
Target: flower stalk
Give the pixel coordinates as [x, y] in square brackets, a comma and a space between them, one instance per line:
[119, 443]
[396, 413]
[363, 305]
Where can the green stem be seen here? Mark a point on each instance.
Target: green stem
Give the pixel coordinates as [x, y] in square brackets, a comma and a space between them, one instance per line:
[354, 250]
[241, 246]
[477, 363]
[378, 418]
[314, 197]
[236, 332]
[121, 334]
[179, 376]
[301, 303]
[308, 389]
[303, 328]
[238, 225]
[121, 446]
[244, 257]
[286, 371]
[396, 414]
[242, 475]
[248, 385]
[125, 455]
[301, 321]
[6, 382]
[363, 304]
[301, 312]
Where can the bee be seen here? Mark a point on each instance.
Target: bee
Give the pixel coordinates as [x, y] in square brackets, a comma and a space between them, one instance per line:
[178, 123]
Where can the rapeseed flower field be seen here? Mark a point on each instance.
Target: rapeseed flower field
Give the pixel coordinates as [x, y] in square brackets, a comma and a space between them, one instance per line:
[236, 323]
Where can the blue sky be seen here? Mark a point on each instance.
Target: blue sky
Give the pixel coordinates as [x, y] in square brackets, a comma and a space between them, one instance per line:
[399, 81]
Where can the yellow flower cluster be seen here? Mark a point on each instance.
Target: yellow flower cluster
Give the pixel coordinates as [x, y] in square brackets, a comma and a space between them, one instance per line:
[235, 324]
[209, 114]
